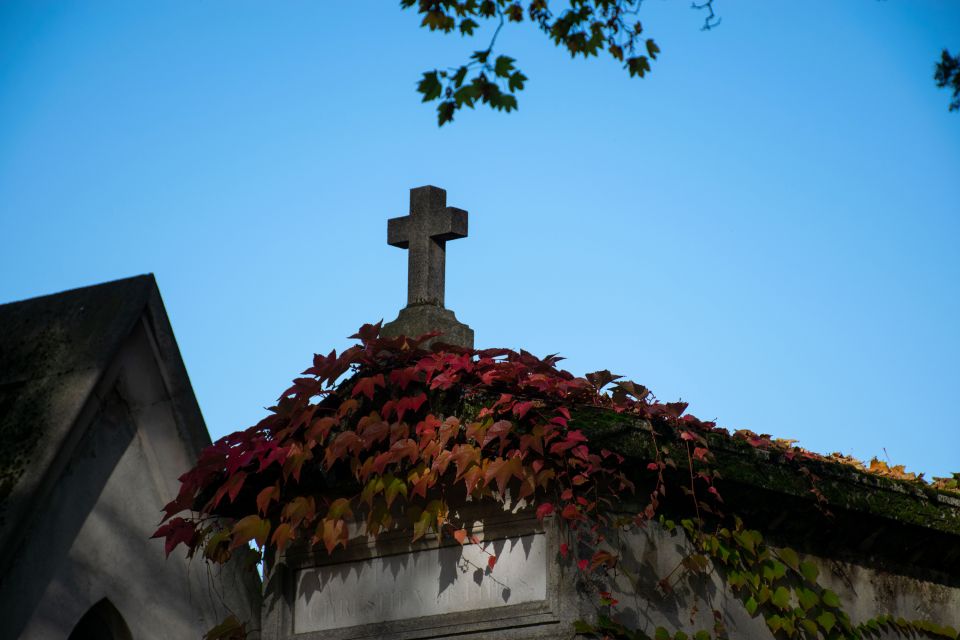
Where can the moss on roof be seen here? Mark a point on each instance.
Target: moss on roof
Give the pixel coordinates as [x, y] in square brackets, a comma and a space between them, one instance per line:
[52, 350]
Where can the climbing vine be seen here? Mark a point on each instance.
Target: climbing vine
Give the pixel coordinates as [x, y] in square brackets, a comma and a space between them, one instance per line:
[390, 435]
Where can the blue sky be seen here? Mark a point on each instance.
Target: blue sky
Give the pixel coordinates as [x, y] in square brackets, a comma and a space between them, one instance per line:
[765, 227]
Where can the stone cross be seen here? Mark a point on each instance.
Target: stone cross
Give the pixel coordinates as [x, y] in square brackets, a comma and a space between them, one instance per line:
[424, 233]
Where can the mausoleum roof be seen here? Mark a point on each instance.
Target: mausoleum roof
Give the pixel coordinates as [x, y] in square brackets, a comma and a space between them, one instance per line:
[51, 350]
[54, 352]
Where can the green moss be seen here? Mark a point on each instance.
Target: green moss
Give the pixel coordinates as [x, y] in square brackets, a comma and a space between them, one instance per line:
[737, 461]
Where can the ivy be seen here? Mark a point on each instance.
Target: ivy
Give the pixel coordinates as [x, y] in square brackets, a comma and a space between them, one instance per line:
[389, 435]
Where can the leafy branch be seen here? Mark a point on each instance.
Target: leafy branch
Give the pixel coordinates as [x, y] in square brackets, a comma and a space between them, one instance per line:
[947, 75]
[585, 28]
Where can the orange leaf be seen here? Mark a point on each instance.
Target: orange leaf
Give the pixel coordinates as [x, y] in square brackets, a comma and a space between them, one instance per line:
[502, 470]
[320, 428]
[299, 509]
[463, 456]
[283, 534]
[472, 478]
[476, 431]
[460, 535]
[405, 448]
[334, 533]
[265, 497]
[347, 407]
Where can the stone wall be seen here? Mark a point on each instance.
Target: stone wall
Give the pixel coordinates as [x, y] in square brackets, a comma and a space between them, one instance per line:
[91, 538]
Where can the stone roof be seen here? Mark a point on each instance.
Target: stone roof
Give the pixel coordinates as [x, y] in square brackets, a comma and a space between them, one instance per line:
[51, 351]
[54, 352]
[899, 521]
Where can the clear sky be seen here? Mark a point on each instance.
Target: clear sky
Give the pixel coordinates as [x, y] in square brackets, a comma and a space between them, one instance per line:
[766, 226]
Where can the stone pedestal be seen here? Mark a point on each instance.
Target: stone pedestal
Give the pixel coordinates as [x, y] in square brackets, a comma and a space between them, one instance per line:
[417, 319]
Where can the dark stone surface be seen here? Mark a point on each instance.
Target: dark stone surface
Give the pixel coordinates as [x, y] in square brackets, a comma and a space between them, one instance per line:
[424, 233]
[46, 345]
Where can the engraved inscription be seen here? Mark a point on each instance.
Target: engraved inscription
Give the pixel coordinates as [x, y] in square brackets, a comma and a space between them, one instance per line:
[421, 583]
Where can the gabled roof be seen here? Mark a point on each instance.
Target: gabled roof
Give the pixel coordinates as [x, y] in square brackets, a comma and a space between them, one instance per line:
[54, 351]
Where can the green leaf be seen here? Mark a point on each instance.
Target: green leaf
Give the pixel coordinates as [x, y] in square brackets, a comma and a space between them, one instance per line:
[638, 66]
[582, 626]
[751, 605]
[445, 111]
[229, 628]
[701, 635]
[467, 94]
[661, 634]
[810, 626]
[809, 571]
[774, 571]
[429, 86]
[808, 599]
[481, 56]
[394, 485]
[516, 84]
[826, 620]
[652, 48]
[775, 623]
[467, 26]
[830, 598]
[781, 598]
[251, 527]
[789, 556]
[504, 66]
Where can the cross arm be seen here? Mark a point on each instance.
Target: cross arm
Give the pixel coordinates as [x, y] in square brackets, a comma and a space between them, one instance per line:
[451, 226]
[398, 232]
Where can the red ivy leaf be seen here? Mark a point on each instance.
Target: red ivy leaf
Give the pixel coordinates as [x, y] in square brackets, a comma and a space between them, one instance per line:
[544, 510]
[410, 403]
[521, 409]
[367, 385]
[176, 531]
[231, 487]
[571, 513]
[403, 377]
[498, 429]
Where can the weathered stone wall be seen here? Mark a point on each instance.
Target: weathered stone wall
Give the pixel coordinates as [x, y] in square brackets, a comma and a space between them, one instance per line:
[394, 590]
[866, 590]
[91, 537]
[397, 591]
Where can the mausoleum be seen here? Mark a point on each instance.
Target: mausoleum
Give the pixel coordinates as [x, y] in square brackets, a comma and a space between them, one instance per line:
[415, 487]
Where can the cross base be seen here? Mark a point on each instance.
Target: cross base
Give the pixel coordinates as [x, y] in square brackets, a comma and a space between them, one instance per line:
[417, 319]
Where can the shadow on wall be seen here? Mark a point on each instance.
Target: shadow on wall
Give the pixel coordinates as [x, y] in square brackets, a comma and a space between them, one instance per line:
[101, 622]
